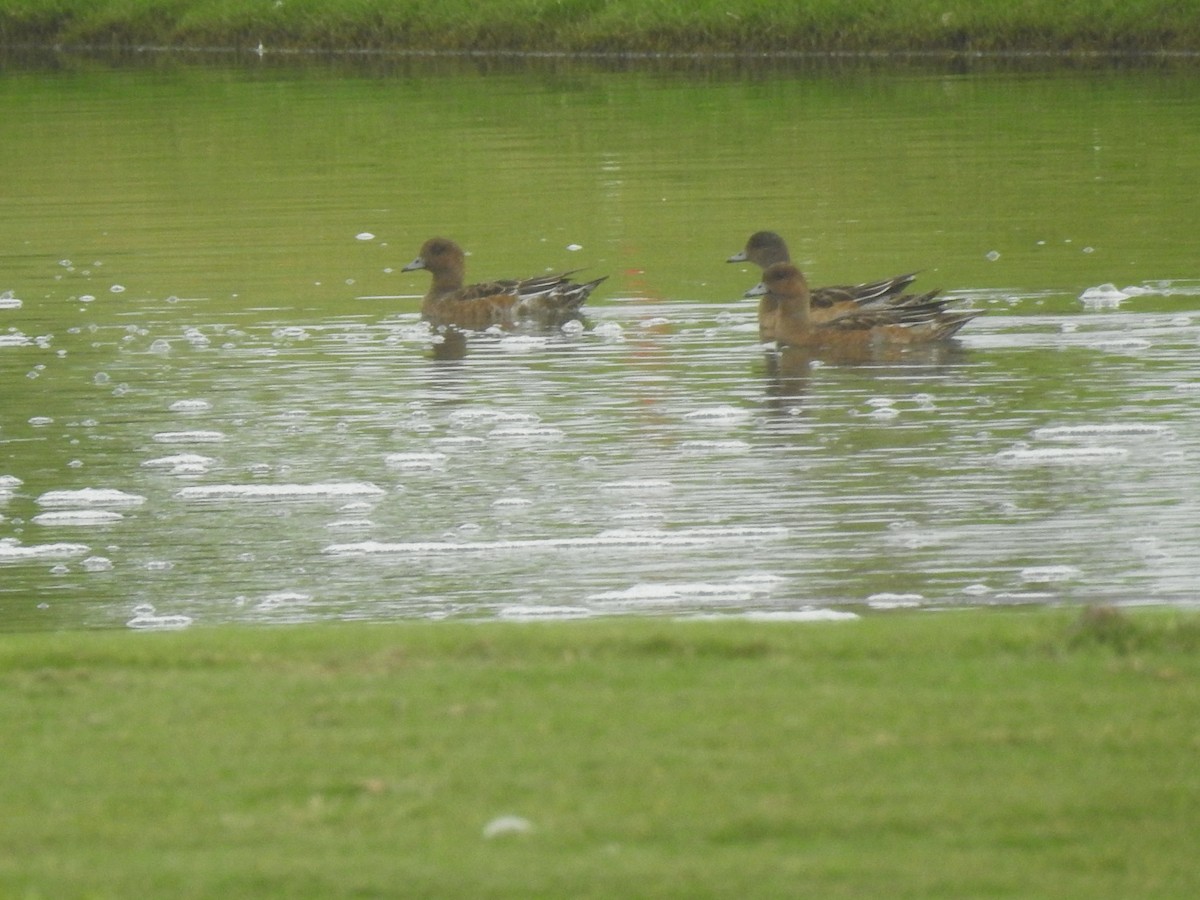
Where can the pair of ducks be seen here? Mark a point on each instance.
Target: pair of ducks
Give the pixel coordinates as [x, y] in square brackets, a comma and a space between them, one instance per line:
[874, 314]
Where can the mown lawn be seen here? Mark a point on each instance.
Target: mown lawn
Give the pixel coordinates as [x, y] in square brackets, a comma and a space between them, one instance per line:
[921, 755]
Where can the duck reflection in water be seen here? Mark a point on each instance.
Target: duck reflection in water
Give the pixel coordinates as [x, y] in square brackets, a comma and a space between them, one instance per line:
[448, 343]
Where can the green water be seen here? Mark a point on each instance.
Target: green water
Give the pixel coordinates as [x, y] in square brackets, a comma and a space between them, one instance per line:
[217, 248]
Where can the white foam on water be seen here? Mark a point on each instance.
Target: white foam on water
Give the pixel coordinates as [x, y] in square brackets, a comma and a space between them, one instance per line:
[718, 415]
[181, 463]
[705, 448]
[512, 503]
[146, 619]
[640, 515]
[351, 525]
[887, 600]
[283, 599]
[89, 498]
[97, 564]
[638, 539]
[458, 442]
[190, 406]
[1083, 432]
[534, 613]
[813, 614]
[884, 413]
[15, 339]
[1064, 456]
[638, 486]
[8, 301]
[12, 550]
[643, 594]
[522, 343]
[320, 491]
[537, 434]
[415, 462]
[1049, 574]
[484, 415]
[1121, 345]
[189, 437]
[81, 518]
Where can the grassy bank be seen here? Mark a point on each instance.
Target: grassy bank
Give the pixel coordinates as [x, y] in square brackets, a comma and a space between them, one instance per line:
[635, 26]
[965, 754]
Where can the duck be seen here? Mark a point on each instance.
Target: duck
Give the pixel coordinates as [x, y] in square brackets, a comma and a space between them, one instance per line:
[544, 300]
[766, 248]
[908, 319]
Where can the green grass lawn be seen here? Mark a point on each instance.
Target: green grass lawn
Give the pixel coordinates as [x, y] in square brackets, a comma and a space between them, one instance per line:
[617, 25]
[919, 755]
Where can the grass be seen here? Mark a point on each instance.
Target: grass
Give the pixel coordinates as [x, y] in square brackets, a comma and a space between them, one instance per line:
[617, 26]
[959, 754]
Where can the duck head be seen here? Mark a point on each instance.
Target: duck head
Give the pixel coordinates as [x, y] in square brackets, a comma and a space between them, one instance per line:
[437, 254]
[764, 248]
[783, 286]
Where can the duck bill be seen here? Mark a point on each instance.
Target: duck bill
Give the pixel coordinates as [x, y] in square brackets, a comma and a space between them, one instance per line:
[417, 263]
[758, 290]
[740, 256]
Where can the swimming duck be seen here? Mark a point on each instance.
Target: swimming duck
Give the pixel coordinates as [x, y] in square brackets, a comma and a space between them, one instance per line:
[547, 300]
[907, 319]
[766, 248]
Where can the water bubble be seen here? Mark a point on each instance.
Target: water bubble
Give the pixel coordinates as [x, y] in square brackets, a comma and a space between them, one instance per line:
[992, 255]
[117, 289]
[1103, 296]
[97, 564]
[610, 330]
[364, 236]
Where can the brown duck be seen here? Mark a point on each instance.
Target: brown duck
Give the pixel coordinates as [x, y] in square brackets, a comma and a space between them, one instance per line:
[908, 319]
[765, 248]
[547, 300]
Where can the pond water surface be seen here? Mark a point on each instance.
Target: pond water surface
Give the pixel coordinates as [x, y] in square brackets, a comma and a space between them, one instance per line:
[219, 403]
